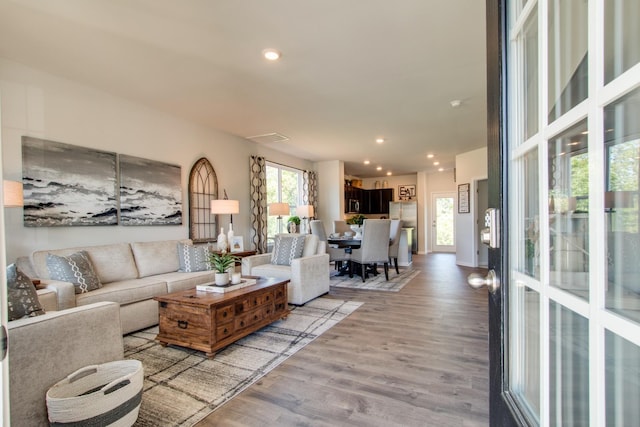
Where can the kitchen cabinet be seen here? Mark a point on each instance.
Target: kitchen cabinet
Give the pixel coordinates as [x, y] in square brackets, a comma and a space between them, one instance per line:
[377, 201]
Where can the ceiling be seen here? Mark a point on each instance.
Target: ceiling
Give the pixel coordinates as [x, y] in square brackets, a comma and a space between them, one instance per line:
[351, 70]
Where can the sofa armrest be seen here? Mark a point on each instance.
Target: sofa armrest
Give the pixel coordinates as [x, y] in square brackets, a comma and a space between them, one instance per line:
[309, 278]
[254, 260]
[44, 349]
[66, 293]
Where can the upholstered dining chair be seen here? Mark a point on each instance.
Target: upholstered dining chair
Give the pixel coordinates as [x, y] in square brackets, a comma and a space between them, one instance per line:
[374, 248]
[341, 227]
[394, 238]
[336, 255]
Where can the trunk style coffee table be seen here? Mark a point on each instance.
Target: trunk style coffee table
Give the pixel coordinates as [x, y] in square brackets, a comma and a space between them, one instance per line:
[209, 321]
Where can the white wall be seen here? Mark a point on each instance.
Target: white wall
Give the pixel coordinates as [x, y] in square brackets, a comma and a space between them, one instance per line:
[41, 105]
[330, 192]
[470, 167]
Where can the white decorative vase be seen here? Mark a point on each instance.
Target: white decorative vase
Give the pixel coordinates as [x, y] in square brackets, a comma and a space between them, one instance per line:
[358, 230]
[222, 279]
[222, 241]
[230, 237]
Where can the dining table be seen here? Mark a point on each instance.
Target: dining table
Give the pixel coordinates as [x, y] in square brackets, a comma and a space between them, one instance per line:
[345, 242]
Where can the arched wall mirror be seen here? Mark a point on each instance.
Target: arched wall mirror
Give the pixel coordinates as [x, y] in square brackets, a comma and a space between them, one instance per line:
[203, 187]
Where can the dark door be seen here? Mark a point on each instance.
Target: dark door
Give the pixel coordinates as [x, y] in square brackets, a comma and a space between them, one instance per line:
[563, 89]
[502, 410]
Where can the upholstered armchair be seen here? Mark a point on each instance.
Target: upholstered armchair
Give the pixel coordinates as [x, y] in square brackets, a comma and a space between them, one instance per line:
[396, 230]
[336, 255]
[301, 258]
[374, 248]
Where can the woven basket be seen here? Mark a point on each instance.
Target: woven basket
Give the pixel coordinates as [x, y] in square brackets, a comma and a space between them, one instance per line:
[99, 395]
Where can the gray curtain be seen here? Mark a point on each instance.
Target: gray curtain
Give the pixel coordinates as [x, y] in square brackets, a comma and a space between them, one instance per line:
[258, 190]
[310, 189]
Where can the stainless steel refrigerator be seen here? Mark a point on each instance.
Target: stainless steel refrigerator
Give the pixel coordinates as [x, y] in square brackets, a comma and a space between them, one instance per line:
[408, 213]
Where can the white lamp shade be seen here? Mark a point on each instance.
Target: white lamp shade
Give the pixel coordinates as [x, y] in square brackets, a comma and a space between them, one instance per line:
[305, 211]
[12, 194]
[278, 209]
[225, 206]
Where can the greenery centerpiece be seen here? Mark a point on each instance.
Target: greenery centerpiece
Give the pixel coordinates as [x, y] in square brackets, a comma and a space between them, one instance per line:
[221, 263]
[292, 224]
[356, 224]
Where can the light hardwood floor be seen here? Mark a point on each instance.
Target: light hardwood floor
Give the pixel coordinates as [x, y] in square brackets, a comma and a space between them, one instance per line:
[418, 357]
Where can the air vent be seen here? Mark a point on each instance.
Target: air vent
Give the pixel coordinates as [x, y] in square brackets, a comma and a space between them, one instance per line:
[268, 137]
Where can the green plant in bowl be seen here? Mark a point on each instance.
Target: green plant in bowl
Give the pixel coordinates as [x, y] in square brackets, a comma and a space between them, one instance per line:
[221, 262]
[294, 219]
[357, 219]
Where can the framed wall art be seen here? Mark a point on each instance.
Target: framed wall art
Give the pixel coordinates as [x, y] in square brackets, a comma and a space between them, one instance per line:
[150, 192]
[463, 198]
[406, 192]
[67, 185]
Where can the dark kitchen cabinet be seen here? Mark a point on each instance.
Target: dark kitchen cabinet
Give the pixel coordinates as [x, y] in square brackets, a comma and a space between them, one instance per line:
[353, 199]
[377, 201]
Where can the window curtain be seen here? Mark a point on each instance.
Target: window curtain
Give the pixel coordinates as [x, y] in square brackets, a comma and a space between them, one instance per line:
[258, 193]
[310, 189]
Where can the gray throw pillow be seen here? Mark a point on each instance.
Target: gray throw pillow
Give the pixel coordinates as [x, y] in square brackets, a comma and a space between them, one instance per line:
[193, 258]
[75, 268]
[22, 298]
[287, 247]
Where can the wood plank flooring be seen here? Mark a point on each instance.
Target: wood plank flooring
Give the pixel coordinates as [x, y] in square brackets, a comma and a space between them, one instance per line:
[418, 357]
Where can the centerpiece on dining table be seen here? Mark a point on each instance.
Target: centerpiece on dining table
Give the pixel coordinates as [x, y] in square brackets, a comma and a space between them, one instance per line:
[355, 223]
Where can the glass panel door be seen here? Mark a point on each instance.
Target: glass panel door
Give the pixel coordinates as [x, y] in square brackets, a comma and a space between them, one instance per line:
[444, 239]
[572, 323]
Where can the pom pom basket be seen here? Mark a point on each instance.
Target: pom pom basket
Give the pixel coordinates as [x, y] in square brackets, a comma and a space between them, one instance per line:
[99, 395]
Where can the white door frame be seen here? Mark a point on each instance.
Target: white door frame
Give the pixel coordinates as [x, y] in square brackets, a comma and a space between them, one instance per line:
[434, 196]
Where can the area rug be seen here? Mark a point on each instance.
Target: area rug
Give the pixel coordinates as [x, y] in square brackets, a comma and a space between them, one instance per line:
[182, 386]
[376, 283]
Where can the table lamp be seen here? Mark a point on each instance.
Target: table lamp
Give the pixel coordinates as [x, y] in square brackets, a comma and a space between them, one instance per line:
[279, 209]
[225, 206]
[12, 191]
[305, 212]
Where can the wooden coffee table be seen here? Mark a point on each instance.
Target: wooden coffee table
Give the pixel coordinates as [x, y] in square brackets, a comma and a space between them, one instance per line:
[209, 321]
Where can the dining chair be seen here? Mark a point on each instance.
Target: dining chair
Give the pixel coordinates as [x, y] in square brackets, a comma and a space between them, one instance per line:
[394, 238]
[336, 255]
[341, 227]
[374, 248]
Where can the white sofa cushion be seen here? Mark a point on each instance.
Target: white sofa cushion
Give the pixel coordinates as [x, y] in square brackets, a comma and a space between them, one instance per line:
[157, 257]
[126, 291]
[111, 263]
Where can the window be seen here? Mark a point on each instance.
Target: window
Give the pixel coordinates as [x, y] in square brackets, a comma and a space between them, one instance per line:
[203, 187]
[284, 185]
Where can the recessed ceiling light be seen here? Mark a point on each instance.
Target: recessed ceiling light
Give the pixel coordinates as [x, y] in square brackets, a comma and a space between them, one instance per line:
[379, 168]
[379, 140]
[585, 132]
[436, 163]
[440, 170]
[389, 173]
[366, 162]
[573, 143]
[455, 103]
[429, 156]
[271, 54]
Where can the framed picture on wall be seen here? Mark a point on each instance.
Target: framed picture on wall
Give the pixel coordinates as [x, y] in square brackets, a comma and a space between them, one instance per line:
[406, 192]
[463, 198]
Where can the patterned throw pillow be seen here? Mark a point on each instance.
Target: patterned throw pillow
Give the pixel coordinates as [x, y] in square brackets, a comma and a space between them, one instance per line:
[75, 268]
[22, 298]
[286, 248]
[193, 258]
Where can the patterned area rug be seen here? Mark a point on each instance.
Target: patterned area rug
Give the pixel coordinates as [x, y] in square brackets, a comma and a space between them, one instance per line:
[376, 283]
[182, 386]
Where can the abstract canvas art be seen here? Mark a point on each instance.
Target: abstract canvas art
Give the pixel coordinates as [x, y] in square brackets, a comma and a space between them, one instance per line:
[150, 192]
[67, 185]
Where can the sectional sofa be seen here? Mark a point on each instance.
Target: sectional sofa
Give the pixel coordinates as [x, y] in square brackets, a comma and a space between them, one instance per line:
[131, 274]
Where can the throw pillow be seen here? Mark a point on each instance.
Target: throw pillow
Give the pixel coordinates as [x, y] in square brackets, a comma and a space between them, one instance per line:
[193, 258]
[286, 248]
[75, 268]
[22, 298]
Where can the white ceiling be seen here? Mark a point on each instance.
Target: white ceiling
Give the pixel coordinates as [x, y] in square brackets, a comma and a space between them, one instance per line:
[351, 70]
